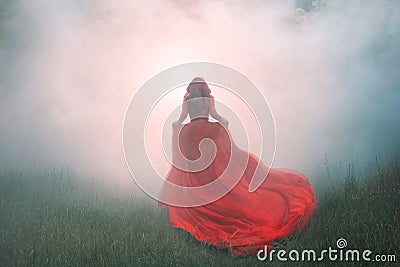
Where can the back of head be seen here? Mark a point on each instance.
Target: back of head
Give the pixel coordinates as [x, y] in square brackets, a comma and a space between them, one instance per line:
[198, 88]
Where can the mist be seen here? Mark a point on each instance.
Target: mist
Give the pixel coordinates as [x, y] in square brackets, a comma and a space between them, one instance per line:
[68, 70]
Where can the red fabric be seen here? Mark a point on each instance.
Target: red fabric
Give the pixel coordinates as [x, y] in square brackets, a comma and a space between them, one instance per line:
[241, 221]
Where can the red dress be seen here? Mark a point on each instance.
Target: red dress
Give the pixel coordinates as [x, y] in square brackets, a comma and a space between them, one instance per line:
[241, 221]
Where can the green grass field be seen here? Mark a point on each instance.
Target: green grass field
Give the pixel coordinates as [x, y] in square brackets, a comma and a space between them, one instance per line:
[51, 218]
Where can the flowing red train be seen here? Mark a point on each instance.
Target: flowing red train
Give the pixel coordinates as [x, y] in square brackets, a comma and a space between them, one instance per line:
[240, 221]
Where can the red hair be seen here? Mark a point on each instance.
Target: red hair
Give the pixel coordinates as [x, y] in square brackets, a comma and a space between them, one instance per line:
[198, 88]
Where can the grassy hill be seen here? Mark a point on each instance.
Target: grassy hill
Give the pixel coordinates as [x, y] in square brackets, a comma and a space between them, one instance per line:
[48, 218]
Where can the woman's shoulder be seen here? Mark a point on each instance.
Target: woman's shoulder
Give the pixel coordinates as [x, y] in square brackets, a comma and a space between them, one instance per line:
[201, 125]
[205, 127]
[198, 126]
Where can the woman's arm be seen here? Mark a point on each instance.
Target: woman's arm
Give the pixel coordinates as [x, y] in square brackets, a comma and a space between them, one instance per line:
[214, 113]
[184, 111]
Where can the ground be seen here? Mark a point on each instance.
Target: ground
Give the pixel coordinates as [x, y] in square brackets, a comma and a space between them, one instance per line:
[48, 218]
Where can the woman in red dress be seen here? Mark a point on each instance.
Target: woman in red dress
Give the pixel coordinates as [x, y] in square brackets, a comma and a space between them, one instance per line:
[240, 221]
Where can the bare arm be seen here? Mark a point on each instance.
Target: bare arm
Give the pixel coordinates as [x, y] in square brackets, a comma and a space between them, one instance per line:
[214, 113]
[184, 111]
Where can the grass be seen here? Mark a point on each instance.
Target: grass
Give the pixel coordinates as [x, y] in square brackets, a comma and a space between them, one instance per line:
[48, 218]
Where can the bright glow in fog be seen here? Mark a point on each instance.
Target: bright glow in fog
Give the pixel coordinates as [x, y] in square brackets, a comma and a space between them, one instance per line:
[68, 70]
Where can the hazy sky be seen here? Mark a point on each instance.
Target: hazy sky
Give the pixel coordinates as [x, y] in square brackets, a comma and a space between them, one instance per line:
[68, 70]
